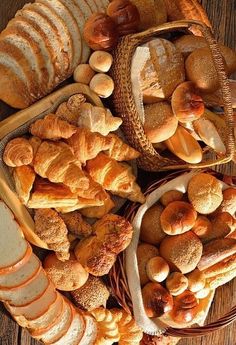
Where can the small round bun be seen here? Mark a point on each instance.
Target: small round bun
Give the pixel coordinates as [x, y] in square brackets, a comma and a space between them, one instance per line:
[182, 252]
[102, 85]
[229, 201]
[226, 219]
[160, 122]
[176, 283]
[178, 217]
[170, 196]
[185, 307]
[203, 228]
[151, 231]
[156, 299]
[196, 280]
[83, 74]
[205, 193]
[68, 275]
[145, 252]
[157, 269]
[100, 61]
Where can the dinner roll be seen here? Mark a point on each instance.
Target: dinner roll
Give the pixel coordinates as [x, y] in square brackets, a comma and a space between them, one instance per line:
[229, 201]
[182, 252]
[157, 269]
[83, 74]
[205, 193]
[100, 61]
[151, 231]
[102, 84]
[196, 280]
[144, 253]
[178, 217]
[203, 228]
[170, 196]
[185, 307]
[67, 275]
[176, 283]
[160, 122]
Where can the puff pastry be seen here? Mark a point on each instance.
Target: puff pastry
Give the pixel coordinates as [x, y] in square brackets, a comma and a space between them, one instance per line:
[17, 152]
[120, 151]
[99, 211]
[108, 332]
[24, 177]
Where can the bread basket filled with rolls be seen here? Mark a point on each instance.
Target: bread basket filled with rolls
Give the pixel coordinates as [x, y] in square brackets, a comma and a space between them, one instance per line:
[182, 250]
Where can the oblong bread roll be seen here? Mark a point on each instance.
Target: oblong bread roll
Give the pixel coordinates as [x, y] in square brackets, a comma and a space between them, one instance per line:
[221, 267]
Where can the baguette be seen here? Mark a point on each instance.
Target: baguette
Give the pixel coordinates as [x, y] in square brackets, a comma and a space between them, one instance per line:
[221, 279]
[221, 267]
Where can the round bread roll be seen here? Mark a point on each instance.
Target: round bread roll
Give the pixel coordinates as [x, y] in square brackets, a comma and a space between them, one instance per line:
[203, 228]
[185, 307]
[176, 283]
[102, 85]
[196, 280]
[157, 269]
[170, 196]
[229, 201]
[151, 231]
[83, 74]
[178, 217]
[186, 44]
[225, 220]
[182, 252]
[145, 252]
[205, 193]
[68, 275]
[100, 61]
[160, 122]
[156, 299]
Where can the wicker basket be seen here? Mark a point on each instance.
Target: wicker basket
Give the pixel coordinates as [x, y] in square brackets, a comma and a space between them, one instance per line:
[124, 104]
[119, 282]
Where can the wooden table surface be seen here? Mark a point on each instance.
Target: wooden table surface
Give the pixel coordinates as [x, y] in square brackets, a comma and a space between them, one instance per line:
[223, 16]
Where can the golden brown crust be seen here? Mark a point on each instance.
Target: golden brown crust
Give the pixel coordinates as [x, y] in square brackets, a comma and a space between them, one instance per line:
[170, 196]
[99, 211]
[120, 151]
[176, 283]
[229, 201]
[70, 111]
[24, 177]
[221, 267]
[185, 307]
[76, 224]
[144, 253]
[18, 152]
[203, 228]
[35, 142]
[151, 230]
[196, 280]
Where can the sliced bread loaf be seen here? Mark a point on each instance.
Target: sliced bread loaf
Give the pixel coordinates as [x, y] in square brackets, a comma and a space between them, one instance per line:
[85, 9]
[92, 4]
[90, 334]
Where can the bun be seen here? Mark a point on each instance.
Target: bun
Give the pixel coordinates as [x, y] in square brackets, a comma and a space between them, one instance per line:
[156, 299]
[100, 32]
[184, 146]
[157, 269]
[178, 217]
[205, 193]
[66, 276]
[18, 152]
[182, 252]
[145, 252]
[176, 283]
[185, 307]
[160, 122]
[151, 231]
[125, 15]
[100, 61]
[203, 228]
[230, 58]
[102, 84]
[170, 196]
[225, 220]
[229, 201]
[186, 44]
[196, 280]
[76, 224]
[83, 74]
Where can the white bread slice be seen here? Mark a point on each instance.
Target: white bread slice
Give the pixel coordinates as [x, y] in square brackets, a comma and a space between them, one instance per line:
[85, 9]
[13, 245]
[22, 275]
[74, 333]
[28, 293]
[100, 5]
[90, 334]
[92, 5]
[37, 308]
[105, 4]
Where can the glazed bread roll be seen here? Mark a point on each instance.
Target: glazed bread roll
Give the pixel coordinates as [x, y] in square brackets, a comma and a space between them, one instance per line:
[178, 217]
[151, 230]
[205, 193]
[170, 196]
[221, 267]
[160, 122]
[185, 307]
[203, 228]
[157, 269]
[176, 283]
[229, 201]
[184, 146]
[196, 280]
[145, 252]
[182, 252]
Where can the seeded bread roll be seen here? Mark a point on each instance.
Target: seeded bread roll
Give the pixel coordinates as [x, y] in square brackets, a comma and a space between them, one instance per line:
[151, 231]
[145, 252]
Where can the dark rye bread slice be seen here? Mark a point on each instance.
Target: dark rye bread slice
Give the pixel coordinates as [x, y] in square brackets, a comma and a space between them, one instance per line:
[36, 36]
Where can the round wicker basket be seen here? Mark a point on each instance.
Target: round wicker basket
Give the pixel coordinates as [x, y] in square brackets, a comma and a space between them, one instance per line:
[119, 282]
[124, 104]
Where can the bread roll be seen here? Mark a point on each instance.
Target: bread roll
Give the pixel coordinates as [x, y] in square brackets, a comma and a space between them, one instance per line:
[102, 85]
[170, 196]
[229, 201]
[196, 280]
[205, 193]
[157, 269]
[100, 61]
[221, 279]
[203, 228]
[156, 300]
[201, 294]
[83, 74]
[185, 307]
[151, 231]
[160, 122]
[184, 146]
[226, 219]
[182, 252]
[221, 267]
[145, 252]
[178, 217]
[176, 283]
[222, 225]
[186, 44]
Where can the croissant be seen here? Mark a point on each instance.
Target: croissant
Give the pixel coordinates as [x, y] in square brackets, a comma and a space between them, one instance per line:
[107, 333]
[76, 224]
[98, 119]
[55, 161]
[35, 142]
[86, 145]
[70, 110]
[52, 127]
[18, 152]
[120, 151]
[80, 203]
[115, 177]
[99, 211]
[24, 177]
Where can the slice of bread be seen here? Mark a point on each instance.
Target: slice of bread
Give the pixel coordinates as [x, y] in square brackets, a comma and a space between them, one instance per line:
[92, 4]
[28, 293]
[90, 334]
[84, 7]
[22, 275]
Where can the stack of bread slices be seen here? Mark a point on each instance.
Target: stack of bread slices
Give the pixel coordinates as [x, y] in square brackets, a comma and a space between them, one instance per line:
[42, 46]
[31, 298]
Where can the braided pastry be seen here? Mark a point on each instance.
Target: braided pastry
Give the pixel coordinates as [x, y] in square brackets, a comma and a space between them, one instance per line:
[107, 327]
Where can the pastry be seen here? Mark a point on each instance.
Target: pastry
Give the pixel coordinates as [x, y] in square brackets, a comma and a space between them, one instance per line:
[66, 276]
[100, 61]
[196, 280]
[151, 230]
[76, 224]
[102, 84]
[70, 110]
[145, 252]
[182, 252]
[99, 211]
[170, 196]
[52, 127]
[83, 74]
[176, 283]
[18, 152]
[35, 142]
[185, 307]
[24, 177]
[178, 217]
[221, 267]
[75, 101]
[80, 204]
[91, 295]
[203, 228]
[157, 269]
[50, 227]
[115, 177]
[220, 279]
[120, 151]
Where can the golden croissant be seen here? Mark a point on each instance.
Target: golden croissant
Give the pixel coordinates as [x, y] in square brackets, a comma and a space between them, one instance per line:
[107, 333]
[86, 145]
[18, 152]
[120, 151]
[115, 177]
[52, 127]
[99, 211]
